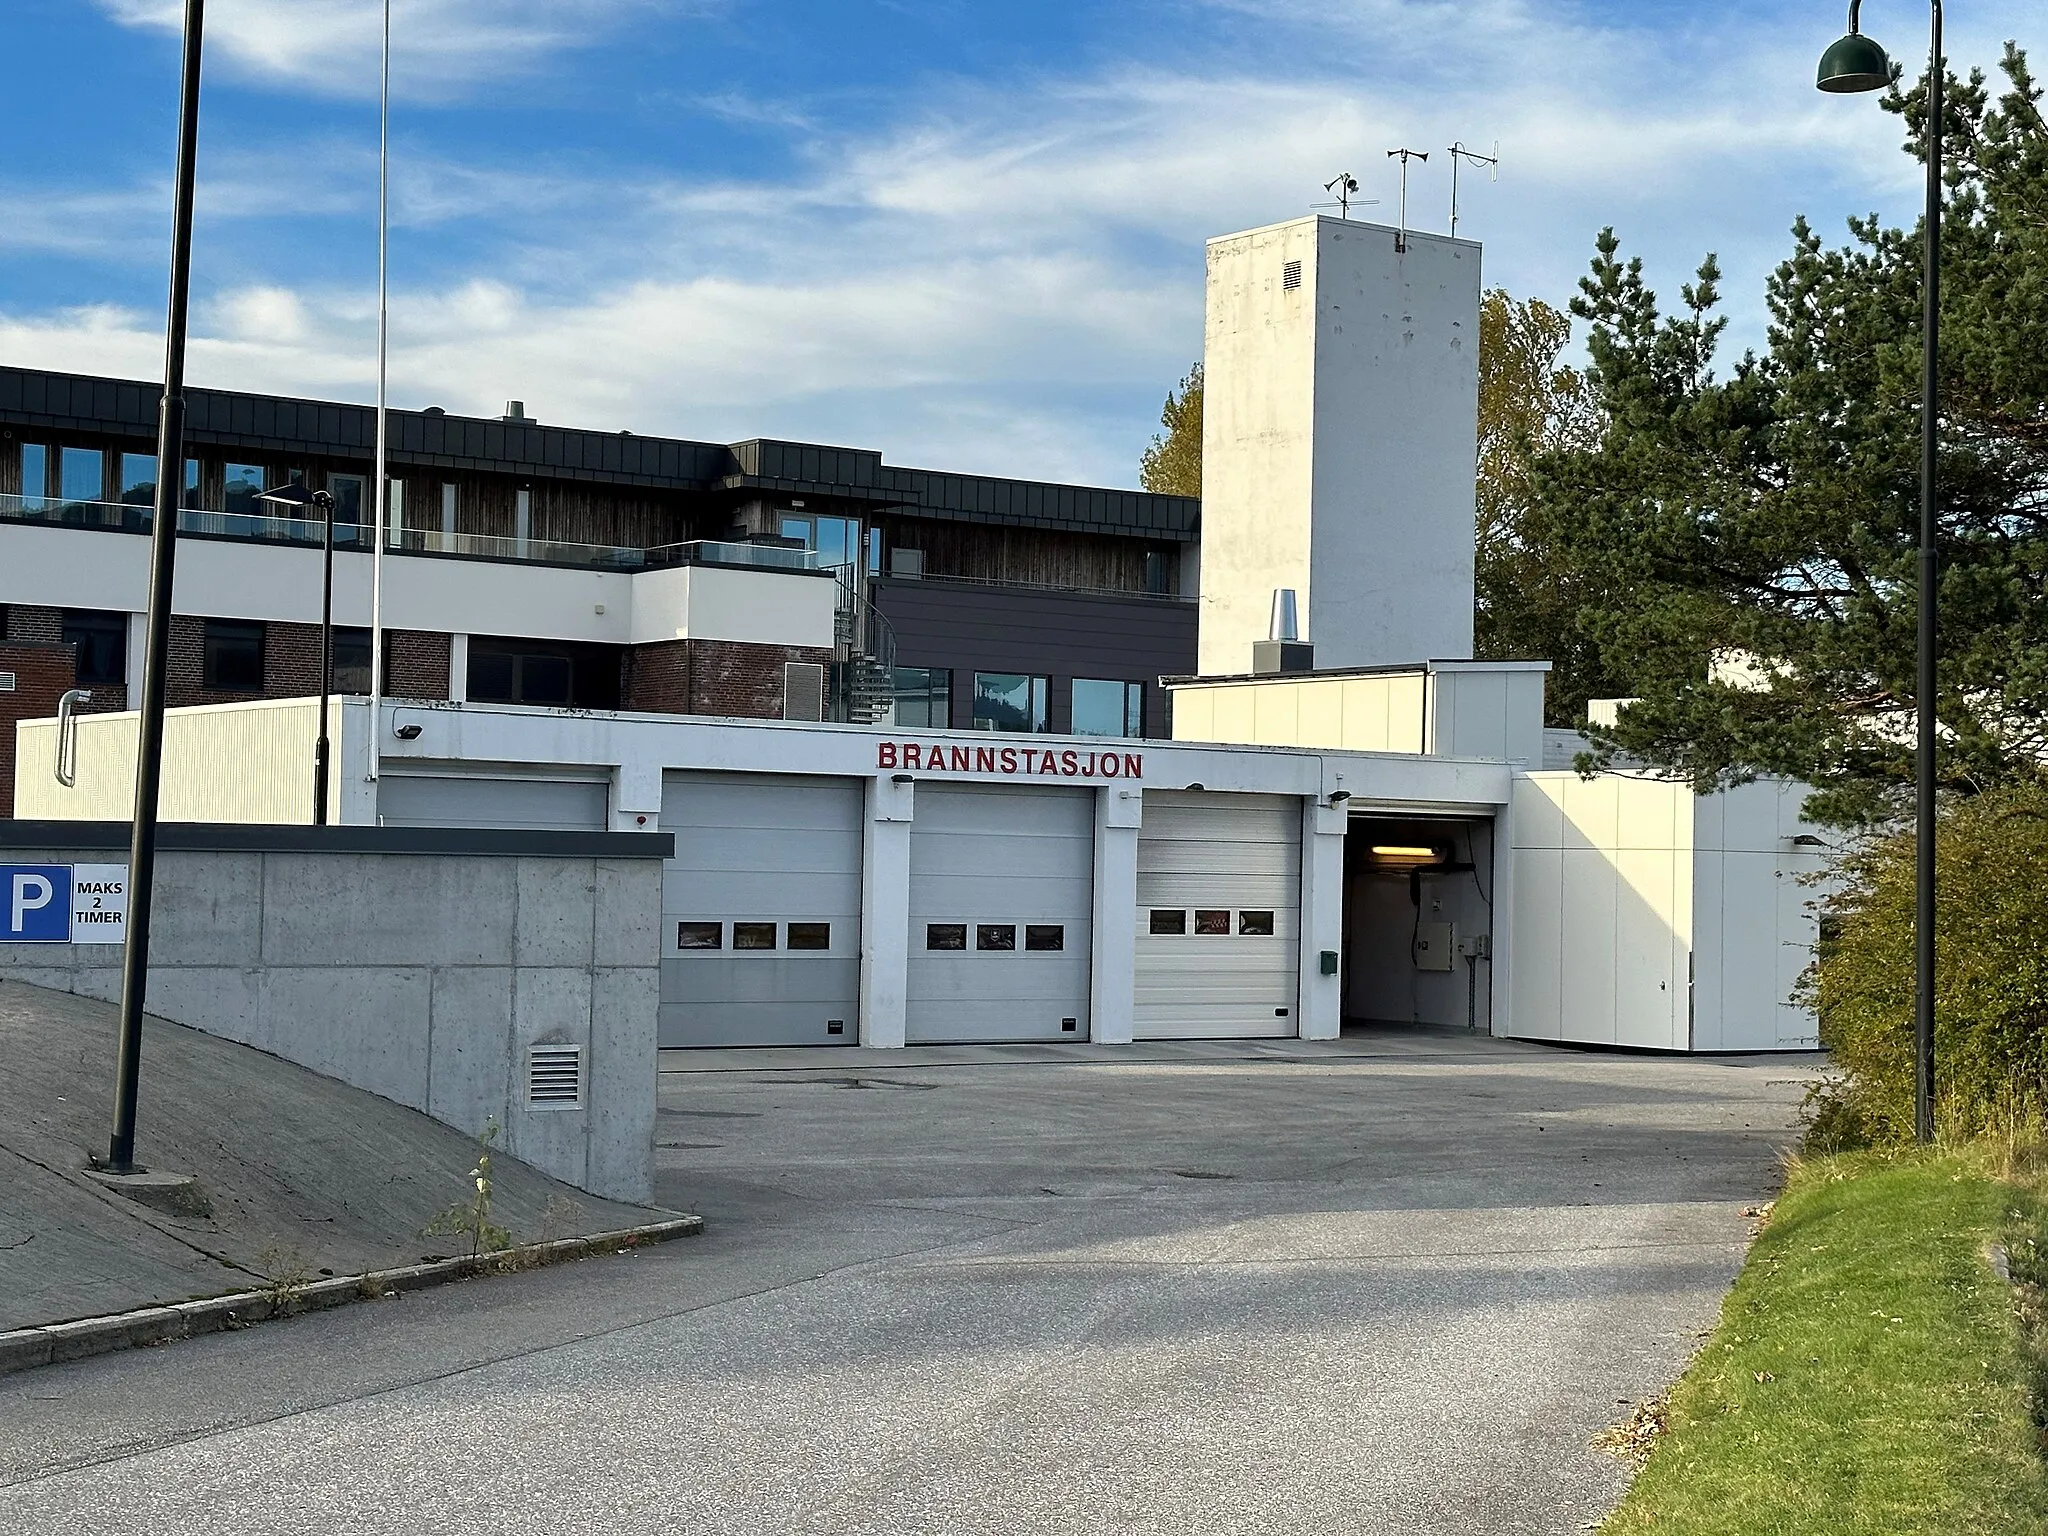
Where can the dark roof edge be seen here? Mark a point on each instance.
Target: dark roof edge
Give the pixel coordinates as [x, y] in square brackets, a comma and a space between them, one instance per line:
[221, 837]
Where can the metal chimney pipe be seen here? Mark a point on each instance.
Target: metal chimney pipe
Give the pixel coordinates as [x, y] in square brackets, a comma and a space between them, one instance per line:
[1285, 626]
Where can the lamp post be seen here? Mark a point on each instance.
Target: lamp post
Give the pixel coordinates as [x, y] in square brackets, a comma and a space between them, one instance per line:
[149, 744]
[1856, 63]
[298, 498]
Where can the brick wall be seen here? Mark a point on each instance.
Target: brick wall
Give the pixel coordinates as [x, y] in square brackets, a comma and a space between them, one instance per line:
[418, 664]
[711, 677]
[42, 673]
[24, 622]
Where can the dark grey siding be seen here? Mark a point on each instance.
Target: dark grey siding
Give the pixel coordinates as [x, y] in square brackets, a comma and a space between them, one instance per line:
[1063, 635]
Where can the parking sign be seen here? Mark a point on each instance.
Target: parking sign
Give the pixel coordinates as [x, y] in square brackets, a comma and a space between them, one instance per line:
[63, 903]
[35, 901]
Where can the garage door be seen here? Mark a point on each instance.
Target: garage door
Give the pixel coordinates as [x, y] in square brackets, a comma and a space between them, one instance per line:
[463, 800]
[1219, 910]
[760, 910]
[1001, 885]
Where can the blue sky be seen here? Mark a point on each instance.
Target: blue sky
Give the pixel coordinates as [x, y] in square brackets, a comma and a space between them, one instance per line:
[966, 233]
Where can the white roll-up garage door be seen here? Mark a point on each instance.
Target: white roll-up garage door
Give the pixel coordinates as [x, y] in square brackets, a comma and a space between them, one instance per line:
[761, 910]
[1219, 916]
[1001, 885]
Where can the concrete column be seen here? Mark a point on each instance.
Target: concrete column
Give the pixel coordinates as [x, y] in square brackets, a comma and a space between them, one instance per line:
[458, 668]
[1112, 985]
[1320, 1006]
[1499, 964]
[885, 913]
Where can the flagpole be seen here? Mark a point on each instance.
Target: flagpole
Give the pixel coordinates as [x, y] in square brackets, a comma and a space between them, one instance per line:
[383, 339]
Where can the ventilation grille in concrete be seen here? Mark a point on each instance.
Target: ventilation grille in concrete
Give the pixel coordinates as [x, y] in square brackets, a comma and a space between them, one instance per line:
[803, 690]
[1290, 275]
[554, 1076]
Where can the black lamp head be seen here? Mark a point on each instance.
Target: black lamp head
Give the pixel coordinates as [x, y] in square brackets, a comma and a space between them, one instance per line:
[1854, 63]
[291, 494]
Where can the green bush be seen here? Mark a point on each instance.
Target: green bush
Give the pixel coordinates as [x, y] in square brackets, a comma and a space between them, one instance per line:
[1991, 977]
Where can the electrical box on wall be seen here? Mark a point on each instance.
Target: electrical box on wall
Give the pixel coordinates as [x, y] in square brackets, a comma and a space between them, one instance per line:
[1436, 947]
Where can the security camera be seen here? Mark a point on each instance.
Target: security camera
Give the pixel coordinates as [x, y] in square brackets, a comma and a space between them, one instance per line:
[1339, 796]
[901, 778]
[410, 731]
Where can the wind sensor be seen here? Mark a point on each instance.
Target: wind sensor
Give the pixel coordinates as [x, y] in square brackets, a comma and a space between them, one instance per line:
[1345, 185]
[1458, 152]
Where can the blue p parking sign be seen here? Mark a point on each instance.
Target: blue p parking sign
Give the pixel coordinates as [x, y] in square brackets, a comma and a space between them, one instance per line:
[63, 903]
[35, 901]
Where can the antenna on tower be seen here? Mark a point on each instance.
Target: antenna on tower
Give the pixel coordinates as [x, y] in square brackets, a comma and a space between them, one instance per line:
[1345, 185]
[1458, 152]
[1405, 155]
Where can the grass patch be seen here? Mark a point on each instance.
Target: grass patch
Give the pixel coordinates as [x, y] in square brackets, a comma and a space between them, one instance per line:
[1868, 1374]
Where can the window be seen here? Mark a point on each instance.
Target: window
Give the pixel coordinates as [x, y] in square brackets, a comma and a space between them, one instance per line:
[1009, 701]
[81, 474]
[394, 512]
[35, 476]
[243, 483]
[347, 491]
[924, 696]
[522, 526]
[1157, 578]
[231, 655]
[1169, 920]
[1104, 708]
[753, 935]
[837, 540]
[448, 509]
[138, 480]
[945, 935]
[1212, 922]
[995, 936]
[545, 672]
[1257, 924]
[810, 935]
[700, 935]
[351, 670]
[874, 551]
[1045, 936]
[102, 642]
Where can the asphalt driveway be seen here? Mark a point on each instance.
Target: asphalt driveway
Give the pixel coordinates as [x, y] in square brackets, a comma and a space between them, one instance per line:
[1391, 1284]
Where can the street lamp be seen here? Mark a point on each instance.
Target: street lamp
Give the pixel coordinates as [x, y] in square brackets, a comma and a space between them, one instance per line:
[295, 496]
[149, 725]
[1857, 63]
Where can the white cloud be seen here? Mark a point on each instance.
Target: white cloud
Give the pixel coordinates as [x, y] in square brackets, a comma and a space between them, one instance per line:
[439, 47]
[1007, 277]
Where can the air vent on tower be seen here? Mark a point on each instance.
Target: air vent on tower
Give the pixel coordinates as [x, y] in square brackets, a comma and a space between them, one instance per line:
[1290, 276]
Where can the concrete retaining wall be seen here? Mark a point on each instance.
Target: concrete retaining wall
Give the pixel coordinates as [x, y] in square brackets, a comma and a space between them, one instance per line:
[418, 964]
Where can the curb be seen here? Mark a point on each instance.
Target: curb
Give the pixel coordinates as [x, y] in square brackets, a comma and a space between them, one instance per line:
[24, 1349]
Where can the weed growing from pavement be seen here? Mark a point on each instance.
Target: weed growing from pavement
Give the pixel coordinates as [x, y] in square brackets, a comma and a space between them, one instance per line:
[471, 1219]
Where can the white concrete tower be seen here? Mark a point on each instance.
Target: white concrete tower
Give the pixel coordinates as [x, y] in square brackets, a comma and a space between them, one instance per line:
[1339, 431]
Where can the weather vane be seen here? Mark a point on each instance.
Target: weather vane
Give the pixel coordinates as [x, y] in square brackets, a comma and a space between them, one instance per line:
[1458, 152]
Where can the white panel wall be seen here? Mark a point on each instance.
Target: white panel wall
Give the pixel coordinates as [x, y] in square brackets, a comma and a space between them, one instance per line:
[227, 578]
[222, 762]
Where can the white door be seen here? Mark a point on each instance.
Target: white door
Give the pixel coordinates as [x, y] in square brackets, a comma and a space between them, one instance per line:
[1219, 916]
[1001, 885]
[760, 910]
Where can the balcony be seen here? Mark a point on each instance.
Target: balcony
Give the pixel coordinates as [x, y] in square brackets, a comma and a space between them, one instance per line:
[128, 517]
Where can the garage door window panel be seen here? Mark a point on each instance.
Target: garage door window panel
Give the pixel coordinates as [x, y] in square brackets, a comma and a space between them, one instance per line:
[1212, 922]
[1257, 925]
[753, 935]
[1167, 920]
[945, 936]
[700, 935]
[997, 936]
[810, 936]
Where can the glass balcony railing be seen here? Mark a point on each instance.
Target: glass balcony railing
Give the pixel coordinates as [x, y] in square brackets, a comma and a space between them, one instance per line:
[129, 517]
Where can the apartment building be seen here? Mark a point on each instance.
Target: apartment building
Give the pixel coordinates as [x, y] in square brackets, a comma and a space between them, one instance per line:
[545, 565]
